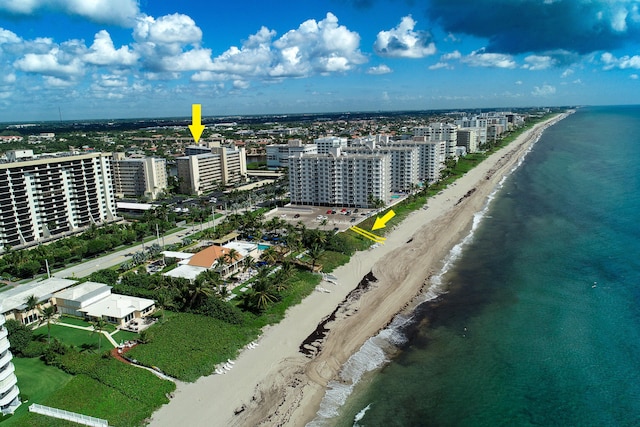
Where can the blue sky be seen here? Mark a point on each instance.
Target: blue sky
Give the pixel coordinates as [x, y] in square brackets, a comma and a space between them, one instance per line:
[153, 58]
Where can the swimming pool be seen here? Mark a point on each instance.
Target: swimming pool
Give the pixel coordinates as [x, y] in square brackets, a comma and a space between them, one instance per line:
[263, 247]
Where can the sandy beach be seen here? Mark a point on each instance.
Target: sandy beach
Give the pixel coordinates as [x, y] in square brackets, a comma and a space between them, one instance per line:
[275, 384]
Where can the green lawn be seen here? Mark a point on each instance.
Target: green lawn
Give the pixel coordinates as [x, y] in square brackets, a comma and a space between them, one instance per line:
[108, 389]
[71, 336]
[80, 322]
[37, 381]
[124, 336]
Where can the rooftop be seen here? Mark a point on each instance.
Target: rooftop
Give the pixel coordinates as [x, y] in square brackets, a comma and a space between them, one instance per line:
[15, 298]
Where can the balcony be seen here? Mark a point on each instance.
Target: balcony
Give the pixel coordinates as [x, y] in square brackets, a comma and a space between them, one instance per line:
[6, 399]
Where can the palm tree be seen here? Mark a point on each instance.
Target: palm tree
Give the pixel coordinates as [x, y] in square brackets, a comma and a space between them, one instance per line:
[99, 326]
[270, 255]
[198, 290]
[232, 256]
[162, 302]
[47, 315]
[32, 303]
[315, 253]
[263, 291]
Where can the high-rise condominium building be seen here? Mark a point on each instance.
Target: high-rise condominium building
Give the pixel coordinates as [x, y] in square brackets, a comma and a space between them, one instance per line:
[278, 154]
[134, 177]
[336, 179]
[326, 143]
[200, 173]
[47, 197]
[440, 132]
[9, 392]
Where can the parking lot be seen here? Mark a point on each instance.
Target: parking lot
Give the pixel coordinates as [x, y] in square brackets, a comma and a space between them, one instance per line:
[314, 216]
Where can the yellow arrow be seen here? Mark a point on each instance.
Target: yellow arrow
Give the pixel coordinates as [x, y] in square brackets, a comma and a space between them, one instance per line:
[196, 127]
[382, 222]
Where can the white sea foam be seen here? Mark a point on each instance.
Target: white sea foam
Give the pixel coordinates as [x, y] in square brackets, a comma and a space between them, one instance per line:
[360, 415]
[373, 353]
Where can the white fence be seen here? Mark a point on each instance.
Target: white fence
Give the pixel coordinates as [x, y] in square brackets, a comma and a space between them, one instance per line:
[69, 416]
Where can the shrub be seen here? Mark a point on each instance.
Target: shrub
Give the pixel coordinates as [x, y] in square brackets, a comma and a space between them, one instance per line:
[214, 307]
[19, 336]
[34, 349]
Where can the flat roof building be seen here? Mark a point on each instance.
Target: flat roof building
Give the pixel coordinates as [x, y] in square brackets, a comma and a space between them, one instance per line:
[134, 177]
[52, 196]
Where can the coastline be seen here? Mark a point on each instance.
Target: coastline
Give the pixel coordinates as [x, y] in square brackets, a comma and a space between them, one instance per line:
[275, 384]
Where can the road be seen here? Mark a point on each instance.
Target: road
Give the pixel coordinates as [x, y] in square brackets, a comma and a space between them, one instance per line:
[116, 258]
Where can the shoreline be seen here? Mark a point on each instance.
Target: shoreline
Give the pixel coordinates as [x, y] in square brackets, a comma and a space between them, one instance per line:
[275, 383]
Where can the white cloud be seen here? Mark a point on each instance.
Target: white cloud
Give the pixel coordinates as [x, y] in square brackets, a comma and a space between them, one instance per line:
[518, 82]
[320, 47]
[103, 52]
[379, 69]
[538, 62]
[566, 73]
[633, 77]
[440, 65]
[479, 58]
[56, 63]
[7, 36]
[622, 63]
[544, 90]
[451, 55]
[403, 42]
[118, 12]
[168, 29]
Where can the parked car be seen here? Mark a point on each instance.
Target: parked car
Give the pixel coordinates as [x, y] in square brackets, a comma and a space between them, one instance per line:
[296, 216]
[330, 212]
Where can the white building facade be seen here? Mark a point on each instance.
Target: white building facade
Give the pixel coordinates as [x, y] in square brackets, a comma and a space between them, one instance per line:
[43, 198]
[325, 144]
[338, 179]
[134, 177]
[9, 392]
[278, 154]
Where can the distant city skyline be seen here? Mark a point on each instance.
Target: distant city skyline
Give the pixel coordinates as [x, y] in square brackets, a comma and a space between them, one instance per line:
[110, 59]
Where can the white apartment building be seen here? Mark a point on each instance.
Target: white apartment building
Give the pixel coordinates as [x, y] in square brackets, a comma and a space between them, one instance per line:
[431, 156]
[278, 154]
[468, 138]
[9, 392]
[336, 179]
[403, 163]
[205, 172]
[199, 173]
[440, 132]
[326, 143]
[134, 177]
[51, 196]
[478, 124]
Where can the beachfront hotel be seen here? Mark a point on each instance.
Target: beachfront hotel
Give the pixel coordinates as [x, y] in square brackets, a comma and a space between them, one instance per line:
[53, 195]
[339, 179]
[9, 392]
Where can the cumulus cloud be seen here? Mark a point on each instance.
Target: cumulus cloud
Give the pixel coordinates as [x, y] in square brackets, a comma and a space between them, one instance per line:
[538, 62]
[441, 65]
[322, 47]
[544, 90]
[566, 73]
[521, 26]
[380, 69]
[625, 62]
[403, 42]
[103, 52]
[118, 12]
[59, 62]
[480, 58]
[313, 48]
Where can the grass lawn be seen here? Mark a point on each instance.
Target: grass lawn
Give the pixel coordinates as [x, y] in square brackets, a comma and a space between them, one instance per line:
[71, 336]
[80, 322]
[124, 336]
[37, 381]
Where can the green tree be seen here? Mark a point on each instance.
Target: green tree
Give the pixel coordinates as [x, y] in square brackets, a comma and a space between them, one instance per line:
[99, 326]
[19, 336]
[48, 316]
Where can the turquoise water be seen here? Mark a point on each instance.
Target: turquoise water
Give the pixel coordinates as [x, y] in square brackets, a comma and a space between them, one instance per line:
[263, 247]
[540, 324]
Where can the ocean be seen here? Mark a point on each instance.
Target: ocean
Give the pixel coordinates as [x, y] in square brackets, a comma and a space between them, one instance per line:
[536, 318]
